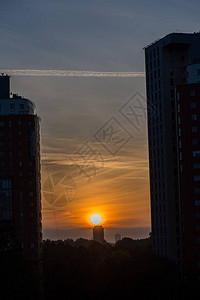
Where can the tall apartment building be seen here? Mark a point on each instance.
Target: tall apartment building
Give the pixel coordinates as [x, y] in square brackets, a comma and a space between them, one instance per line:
[188, 145]
[20, 196]
[166, 67]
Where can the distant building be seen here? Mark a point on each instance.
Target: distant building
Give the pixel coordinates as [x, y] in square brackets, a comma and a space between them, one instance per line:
[20, 196]
[117, 237]
[98, 233]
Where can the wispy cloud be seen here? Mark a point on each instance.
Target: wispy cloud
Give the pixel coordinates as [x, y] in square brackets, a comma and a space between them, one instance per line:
[71, 73]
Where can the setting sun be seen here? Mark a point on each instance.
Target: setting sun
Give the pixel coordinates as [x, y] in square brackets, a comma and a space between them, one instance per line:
[96, 219]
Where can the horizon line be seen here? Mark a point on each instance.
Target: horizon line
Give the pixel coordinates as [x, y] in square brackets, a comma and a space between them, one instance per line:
[71, 73]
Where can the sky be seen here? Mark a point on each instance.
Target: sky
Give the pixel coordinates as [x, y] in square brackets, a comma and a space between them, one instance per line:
[85, 168]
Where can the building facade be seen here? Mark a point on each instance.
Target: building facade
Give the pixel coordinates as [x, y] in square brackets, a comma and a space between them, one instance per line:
[188, 146]
[20, 187]
[166, 67]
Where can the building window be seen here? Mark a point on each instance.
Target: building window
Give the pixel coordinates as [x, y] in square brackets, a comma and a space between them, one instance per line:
[196, 166]
[181, 168]
[180, 144]
[194, 141]
[31, 194]
[197, 202]
[1, 123]
[192, 93]
[12, 106]
[21, 106]
[19, 143]
[31, 204]
[19, 132]
[194, 129]
[193, 117]
[179, 120]
[197, 190]
[198, 72]
[178, 96]
[197, 178]
[193, 104]
[20, 163]
[2, 154]
[20, 173]
[32, 245]
[196, 153]
[180, 155]
[19, 123]
[198, 227]
[197, 215]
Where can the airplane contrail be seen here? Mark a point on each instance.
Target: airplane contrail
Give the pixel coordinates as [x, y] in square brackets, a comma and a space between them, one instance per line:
[71, 73]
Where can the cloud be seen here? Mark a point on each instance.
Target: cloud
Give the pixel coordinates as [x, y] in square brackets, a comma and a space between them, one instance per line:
[72, 73]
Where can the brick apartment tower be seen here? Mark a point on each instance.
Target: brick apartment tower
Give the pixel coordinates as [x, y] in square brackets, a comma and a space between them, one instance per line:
[166, 62]
[20, 196]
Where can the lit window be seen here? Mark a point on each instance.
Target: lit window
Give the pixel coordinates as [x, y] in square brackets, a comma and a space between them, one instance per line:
[179, 108]
[32, 245]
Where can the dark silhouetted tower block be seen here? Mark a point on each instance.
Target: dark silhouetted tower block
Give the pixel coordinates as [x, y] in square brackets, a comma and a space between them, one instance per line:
[20, 188]
[166, 62]
[4, 87]
[98, 233]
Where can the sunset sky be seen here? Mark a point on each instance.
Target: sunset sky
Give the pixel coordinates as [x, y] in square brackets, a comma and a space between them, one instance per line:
[101, 36]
